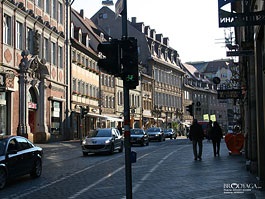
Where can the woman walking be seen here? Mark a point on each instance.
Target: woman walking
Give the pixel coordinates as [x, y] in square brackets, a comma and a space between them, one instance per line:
[216, 138]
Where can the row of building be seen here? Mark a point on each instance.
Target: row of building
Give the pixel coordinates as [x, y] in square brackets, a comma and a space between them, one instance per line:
[49, 73]
[247, 18]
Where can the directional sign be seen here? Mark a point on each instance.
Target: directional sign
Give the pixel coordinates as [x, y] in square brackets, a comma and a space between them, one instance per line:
[232, 19]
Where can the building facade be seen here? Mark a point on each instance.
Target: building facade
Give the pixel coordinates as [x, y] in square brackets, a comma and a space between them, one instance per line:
[251, 38]
[33, 99]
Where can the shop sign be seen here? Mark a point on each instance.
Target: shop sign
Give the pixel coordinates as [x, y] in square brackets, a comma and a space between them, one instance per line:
[2, 80]
[32, 105]
[239, 53]
[229, 94]
[232, 19]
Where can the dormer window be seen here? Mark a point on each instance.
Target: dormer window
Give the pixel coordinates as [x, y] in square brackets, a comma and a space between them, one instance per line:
[87, 41]
[80, 35]
[159, 52]
[101, 36]
[166, 55]
[72, 30]
[153, 49]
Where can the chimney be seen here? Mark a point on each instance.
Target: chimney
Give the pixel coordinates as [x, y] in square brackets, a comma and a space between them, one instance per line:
[82, 13]
[133, 19]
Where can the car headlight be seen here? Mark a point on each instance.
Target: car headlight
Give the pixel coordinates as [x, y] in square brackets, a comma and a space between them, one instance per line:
[157, 135]
[107, 141]
[84, 142]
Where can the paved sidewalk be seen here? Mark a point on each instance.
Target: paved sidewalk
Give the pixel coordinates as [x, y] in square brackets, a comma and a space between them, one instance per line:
[222, 177]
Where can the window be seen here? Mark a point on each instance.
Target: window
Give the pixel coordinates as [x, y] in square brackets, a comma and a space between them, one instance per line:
[53, 53]
[56, 117]
[47, 6]
[7, 29]
[3, 110]
[38, 3]
[30, 40]
[53, 6]
[74, 85]
[19, 34]
[12, 145]
[46, 50]
[23, 144]
[60, 57]
[60, 13]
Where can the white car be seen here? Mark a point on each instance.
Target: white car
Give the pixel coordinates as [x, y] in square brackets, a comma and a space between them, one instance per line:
[103, 140]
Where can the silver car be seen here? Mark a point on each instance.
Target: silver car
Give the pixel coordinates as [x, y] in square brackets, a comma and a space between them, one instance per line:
[103, 140]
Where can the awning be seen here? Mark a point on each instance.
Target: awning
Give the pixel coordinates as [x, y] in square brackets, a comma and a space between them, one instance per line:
[105, 117]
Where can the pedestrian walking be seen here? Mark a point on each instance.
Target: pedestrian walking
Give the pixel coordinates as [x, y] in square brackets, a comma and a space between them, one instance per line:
[196, 136]
[119, 128]
[209, 130]
[216, 137]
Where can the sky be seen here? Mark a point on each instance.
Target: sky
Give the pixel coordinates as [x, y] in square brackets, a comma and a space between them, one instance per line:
[191, 25]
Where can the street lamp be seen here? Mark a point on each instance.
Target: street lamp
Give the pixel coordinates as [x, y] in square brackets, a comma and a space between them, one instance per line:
[107, 3]
[157, 111]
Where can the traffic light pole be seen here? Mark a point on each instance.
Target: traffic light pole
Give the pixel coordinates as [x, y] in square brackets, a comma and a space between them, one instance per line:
[127, 134]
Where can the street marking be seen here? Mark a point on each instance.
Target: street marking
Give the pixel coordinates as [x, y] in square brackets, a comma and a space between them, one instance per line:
[94, 184]
[61, 179]
[145, 177]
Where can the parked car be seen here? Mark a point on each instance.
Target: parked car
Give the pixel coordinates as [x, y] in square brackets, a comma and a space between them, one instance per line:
[139, 136]
[156, 133]
[170, 133]
[103, 140]
[18, 157]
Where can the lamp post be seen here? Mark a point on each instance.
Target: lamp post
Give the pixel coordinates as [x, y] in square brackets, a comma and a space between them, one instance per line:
[157, 112]
[24, 66]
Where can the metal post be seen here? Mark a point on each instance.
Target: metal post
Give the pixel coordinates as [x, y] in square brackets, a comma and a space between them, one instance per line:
[127, 134]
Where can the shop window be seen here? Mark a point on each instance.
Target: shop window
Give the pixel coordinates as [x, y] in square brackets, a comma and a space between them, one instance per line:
[56, 117]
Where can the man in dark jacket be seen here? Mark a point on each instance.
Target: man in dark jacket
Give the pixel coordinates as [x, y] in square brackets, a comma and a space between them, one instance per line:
[196, 136]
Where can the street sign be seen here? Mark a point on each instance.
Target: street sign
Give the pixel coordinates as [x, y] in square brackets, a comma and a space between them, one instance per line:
[239, 53]
[229, 94]
[119, 6]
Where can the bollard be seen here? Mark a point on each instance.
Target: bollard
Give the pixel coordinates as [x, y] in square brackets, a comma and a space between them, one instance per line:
[133, 156]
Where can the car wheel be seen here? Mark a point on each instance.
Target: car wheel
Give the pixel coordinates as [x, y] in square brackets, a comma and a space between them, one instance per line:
[111, 151]
[36, 172]
[121, 149]
[161, 139]
[171, 137]
[3, 178]
[147, 143]
[85, 153]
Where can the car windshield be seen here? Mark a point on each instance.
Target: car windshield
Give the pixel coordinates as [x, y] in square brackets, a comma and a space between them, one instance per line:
[168, 130]
[136, 132]
[2, 147]
[153, 129]
[102, 133]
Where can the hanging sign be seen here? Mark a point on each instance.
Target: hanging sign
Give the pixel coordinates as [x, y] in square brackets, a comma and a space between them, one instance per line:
[232, 19]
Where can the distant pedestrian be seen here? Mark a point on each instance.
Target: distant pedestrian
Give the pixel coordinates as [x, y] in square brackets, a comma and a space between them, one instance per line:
[216, 137]
[209, 130]
[119, 128]
[196, 136]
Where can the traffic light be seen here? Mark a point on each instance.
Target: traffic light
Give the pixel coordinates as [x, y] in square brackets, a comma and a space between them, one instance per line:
[110, 63]
[190, 109]
[84, 111]
[129, 61]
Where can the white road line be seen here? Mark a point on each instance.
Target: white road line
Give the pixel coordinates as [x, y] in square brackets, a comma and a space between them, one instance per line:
[94, 184]
[61, 179]
[140, 182]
